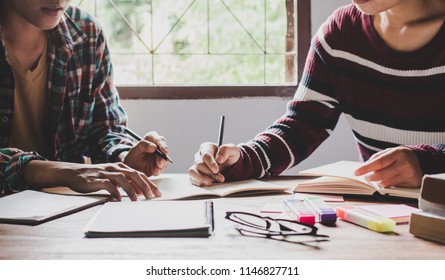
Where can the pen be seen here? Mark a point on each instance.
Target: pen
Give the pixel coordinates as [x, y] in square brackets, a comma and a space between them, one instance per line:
[221, 132]
[139, 138]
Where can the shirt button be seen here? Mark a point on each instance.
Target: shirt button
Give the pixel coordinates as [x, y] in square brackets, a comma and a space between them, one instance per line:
[5, 119]
[7, 81]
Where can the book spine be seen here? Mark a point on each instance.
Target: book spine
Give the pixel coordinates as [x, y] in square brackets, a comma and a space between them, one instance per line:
[432, 207]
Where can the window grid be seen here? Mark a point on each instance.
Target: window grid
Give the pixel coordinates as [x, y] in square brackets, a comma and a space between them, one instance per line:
[299, 22]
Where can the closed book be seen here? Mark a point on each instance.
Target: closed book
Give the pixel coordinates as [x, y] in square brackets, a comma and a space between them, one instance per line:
[432, 194]
[428, 226]
[152, 219]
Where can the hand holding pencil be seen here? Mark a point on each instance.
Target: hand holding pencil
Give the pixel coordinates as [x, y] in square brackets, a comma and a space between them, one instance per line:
[212, 159]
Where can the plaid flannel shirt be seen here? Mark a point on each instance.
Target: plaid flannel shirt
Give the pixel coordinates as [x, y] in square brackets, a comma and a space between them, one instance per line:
[85, 116]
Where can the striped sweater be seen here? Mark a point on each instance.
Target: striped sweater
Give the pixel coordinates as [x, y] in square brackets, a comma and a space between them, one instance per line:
[389, 99]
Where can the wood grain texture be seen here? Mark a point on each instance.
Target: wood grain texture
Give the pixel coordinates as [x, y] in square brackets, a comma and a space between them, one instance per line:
[64, 239]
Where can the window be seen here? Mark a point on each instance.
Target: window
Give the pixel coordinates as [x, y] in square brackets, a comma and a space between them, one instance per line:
[204, 48]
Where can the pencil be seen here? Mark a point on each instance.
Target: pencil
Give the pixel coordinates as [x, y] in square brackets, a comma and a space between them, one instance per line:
[221, 132]
[139, 138]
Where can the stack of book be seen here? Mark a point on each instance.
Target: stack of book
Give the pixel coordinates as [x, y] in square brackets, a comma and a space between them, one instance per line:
[430, 222]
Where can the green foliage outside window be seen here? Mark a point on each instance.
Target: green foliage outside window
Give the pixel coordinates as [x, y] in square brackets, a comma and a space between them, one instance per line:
[194, 42]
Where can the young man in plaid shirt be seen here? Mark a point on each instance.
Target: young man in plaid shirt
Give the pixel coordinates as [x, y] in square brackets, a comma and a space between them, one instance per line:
[58, 104]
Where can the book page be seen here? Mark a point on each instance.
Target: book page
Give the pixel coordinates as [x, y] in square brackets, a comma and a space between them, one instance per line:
[402, 192]
[339, 177]
[178, 186]
[246, 187]
[342, 169]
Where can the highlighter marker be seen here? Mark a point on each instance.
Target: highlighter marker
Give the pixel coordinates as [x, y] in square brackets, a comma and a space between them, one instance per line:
[365, 219]
[324, 213]
[298, 211]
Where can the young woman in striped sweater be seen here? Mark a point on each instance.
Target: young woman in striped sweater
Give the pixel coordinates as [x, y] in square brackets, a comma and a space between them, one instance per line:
[381, 63]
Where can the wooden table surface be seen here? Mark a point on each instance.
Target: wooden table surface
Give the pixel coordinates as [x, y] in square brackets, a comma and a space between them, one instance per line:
[63, 238]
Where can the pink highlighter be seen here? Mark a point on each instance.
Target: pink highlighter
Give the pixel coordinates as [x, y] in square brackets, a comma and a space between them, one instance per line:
[298, 210]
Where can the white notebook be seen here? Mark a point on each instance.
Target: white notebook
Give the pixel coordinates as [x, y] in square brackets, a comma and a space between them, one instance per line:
[152, 219]
[34, 207]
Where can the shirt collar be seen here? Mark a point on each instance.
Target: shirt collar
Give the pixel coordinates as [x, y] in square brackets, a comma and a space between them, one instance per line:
[67, 34]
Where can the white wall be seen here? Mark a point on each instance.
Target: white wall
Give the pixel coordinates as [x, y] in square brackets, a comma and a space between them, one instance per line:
[188, 123]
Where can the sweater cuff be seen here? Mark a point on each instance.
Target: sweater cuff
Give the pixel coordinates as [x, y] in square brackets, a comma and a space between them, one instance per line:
[241, 170]
[431, 159]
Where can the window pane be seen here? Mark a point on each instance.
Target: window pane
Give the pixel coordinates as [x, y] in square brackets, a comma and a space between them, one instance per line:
[194, 42]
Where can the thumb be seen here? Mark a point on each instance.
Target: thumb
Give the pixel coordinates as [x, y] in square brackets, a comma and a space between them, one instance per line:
[228, 152]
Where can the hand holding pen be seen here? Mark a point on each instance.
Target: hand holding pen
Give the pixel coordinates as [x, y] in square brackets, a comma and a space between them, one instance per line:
[149, 155]
[212, 159]
[157, 151]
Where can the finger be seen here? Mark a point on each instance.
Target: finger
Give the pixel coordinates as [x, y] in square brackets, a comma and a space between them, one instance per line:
[161, 163]
[199, 179]
[152, 188]
[206, 163]
[206, 155]
[133, 176]
[155, 190]
[158, 140]
[139, 182]
[384, 173]
[119, 179]
[396, 180]
[375, 164]
[376, 155]
[204, 170]
[226, 154]
[146, 146]
[111, 188]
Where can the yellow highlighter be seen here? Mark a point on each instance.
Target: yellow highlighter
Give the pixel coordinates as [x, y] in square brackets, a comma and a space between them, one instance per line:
[365, 219]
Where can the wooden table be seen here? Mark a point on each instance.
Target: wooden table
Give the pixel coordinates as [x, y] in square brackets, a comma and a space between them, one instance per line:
[63, 238]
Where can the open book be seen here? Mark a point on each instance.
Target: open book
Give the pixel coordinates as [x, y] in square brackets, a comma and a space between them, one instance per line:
[178, 186]
[34, 207]
[339, 178]
[152, 219]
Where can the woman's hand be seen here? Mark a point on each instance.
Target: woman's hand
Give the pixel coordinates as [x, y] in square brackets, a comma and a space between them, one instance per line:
[211, 161]
[393, 167]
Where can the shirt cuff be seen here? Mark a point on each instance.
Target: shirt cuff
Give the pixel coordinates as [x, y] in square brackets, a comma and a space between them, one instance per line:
[14, 179]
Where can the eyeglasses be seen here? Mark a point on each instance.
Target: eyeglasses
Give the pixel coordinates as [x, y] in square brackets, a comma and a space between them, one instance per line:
[278, 229]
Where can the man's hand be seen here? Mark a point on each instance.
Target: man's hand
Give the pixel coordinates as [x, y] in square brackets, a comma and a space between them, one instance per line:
[142, 156]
